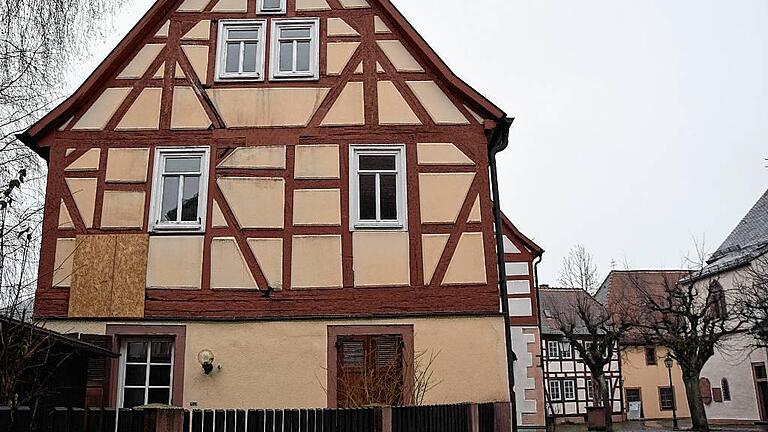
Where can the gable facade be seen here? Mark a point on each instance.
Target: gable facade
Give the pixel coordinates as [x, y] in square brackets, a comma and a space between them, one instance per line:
[240, 175]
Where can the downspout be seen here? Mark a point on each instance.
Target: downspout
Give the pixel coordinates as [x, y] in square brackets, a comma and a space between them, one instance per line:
[541, 341]
[497, 142]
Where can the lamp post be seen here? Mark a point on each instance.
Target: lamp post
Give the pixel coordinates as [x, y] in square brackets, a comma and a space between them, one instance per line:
[668, 362]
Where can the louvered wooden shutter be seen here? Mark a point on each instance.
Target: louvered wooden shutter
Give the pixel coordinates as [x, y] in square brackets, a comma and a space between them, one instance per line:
[99, 369]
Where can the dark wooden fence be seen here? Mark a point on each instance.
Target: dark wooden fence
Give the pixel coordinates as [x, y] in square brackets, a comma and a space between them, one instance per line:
[305, 420]
[441, 418]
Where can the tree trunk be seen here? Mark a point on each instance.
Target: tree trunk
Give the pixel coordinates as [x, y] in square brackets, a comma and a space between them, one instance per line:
[605, 397]
[695, 404]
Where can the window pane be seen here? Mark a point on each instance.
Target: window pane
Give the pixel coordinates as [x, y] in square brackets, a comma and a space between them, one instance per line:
[302, 56]
[243, 34]
[159, 375]
[182, 164]
[233, 57]
[161, 352]
[249, 57]
[296, 33]
[271, 4]
[133, 397]
[377, 162]
[286, 56]
[135, 375]
[161, 396]
[137, 352]
[388, 198]
[170, 200]
[367, 197]
[190, 199]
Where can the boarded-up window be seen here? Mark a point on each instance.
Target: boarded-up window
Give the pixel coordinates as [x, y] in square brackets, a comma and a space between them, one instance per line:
[370, 370]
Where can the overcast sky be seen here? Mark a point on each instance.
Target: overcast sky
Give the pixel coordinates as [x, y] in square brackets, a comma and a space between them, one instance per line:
[641, 125]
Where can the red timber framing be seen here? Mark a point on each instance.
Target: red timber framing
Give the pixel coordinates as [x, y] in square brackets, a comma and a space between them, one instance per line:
[520, 255]
[54, 136]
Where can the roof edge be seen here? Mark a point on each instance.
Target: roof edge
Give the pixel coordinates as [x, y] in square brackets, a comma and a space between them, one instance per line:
[162, 7]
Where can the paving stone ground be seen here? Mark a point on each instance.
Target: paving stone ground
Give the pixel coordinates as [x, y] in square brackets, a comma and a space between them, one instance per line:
[664, 426]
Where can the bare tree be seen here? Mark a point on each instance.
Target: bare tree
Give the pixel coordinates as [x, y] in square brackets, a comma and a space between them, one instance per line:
[691, 317]
[41, 42]
[579, 270]
[752, 294]
[595, 335]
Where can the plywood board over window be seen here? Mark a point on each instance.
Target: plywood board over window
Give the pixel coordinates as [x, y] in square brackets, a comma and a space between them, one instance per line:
[109, 276]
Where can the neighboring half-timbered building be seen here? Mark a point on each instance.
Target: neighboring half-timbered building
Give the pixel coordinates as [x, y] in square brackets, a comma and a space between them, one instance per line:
[521, 255]
[568, 384]
[254, 200]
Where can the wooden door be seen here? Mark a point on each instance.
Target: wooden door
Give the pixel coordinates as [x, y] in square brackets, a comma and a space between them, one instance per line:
[370, 370]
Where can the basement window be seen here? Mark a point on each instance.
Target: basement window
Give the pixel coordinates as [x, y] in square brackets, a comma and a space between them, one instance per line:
[179, 189]
[241, 50]
[377, 187]
[295, 49]
[271, 6]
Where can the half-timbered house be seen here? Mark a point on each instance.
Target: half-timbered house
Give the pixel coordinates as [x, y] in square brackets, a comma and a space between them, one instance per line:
[253, 199]
[521, 255]
[568, 384]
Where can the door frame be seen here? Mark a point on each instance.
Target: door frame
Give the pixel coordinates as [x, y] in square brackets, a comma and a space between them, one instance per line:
[334, 332]
[761, 402]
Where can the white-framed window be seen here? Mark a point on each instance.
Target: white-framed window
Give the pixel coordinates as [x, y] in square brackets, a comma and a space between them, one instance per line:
[566, 350]
[554, 391]
[179, 189]
[590, 388]
[569, 390]
[240, 53]
[295, 49]
[553, 349]
[146, 372]
[377, 187]
[271, 6]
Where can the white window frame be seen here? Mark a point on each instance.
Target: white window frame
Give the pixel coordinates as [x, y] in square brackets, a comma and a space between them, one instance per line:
[555, 396]
[590, 389]
[221, 50]
[157, 190]
[569, 386]
[398, 150]
[124, 362]
[566, 354]
[314, 47]
[260, 8]
[553, 349]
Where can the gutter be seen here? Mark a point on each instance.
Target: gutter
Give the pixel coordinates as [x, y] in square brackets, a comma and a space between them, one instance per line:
[498, 140]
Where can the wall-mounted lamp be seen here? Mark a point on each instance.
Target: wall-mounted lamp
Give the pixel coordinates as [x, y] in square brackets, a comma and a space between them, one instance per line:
[206, 357]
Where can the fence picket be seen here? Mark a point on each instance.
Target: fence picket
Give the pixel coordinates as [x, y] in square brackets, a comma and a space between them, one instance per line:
[230, 421]
[207, 421]
[197, 421]
[269, 421]
[255, 420]
[240, 420]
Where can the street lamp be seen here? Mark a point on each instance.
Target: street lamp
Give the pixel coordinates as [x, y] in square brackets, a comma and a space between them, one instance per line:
[668, 362]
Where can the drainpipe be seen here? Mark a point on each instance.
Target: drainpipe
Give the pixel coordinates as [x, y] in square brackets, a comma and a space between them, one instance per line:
[497, 142]
[541, 342]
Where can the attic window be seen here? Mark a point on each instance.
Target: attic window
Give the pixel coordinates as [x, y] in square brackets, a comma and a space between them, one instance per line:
[271, 6]
[295, 49]
[241, 50]
[548, 313]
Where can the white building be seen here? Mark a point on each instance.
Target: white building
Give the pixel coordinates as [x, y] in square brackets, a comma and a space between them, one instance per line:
[734, 380]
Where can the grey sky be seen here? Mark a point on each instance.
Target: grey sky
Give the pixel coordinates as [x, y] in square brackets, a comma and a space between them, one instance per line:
[641, 125]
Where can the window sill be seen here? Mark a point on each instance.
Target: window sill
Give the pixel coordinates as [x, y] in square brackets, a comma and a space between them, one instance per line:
[177, 230]
[294, 78]
[225, 79]
[378, 227]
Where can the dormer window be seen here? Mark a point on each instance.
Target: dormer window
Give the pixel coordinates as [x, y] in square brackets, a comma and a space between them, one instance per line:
[241, 50]
[295, 49]
[271, 6]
